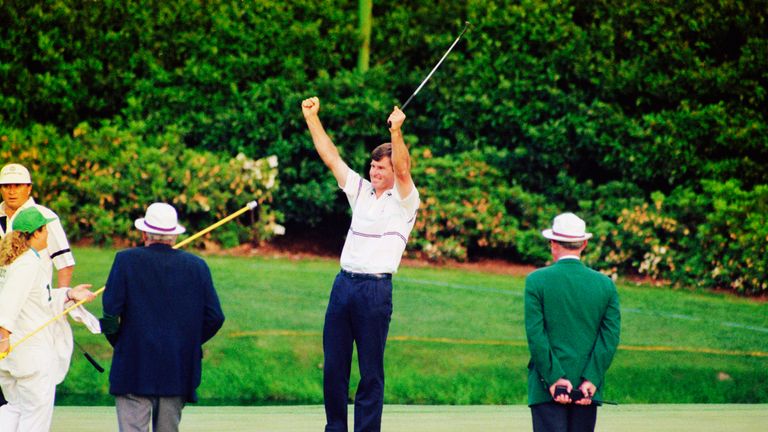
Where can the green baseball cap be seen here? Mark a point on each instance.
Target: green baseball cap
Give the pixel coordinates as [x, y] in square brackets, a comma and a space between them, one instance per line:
[30, 220]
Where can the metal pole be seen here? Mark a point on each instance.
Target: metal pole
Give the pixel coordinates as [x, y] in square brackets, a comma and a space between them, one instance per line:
[466, 27]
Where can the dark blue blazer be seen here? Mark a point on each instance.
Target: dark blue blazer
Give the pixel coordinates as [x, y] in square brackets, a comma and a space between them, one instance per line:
[167, 309]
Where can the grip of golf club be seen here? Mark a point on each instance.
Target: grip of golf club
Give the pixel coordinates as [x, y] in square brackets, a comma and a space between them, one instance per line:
[389, 123]
[93, 362]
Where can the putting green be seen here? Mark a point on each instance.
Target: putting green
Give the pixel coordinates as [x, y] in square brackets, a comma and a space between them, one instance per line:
[438, 418]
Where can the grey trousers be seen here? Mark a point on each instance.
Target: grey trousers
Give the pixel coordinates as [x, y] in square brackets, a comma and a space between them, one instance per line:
[135, 412]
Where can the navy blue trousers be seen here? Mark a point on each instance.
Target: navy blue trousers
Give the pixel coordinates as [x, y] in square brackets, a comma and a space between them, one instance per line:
[556, 417]
[359, 312]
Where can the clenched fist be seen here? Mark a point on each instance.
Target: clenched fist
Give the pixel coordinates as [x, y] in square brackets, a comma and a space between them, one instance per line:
[310, 106]
[396, 119]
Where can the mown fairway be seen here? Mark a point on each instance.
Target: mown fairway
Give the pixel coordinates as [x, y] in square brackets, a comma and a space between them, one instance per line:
[457, 337]
[420, 418]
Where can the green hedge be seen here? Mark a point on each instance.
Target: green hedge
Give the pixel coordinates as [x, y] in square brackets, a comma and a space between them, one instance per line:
[99, 181]
[467, 206]
[714, 238]
[594, 107]
[661, 94]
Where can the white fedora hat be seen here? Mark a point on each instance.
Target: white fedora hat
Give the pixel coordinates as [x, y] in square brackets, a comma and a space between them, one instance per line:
[160, 219]
[567, 227]
[15, 174]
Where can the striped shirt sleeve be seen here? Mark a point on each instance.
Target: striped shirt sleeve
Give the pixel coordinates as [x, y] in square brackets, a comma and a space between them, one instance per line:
[58, 246]
[354, 186]
[411, 202]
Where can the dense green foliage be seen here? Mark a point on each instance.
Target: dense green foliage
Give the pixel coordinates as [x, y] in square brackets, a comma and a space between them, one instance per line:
[457, 337]
[594, 107]
[100, 181]
[469, 207]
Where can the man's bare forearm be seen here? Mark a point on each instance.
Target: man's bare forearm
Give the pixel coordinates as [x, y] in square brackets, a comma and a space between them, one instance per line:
[401, 160]
[323, 144]
[64, 276]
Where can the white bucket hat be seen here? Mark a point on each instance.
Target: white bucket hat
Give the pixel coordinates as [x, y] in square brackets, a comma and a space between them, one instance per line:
[567, 227]
[15, 174]
[160, 219]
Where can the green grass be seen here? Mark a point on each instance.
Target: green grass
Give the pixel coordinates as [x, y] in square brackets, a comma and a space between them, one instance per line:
[416, 418]
[457, 337]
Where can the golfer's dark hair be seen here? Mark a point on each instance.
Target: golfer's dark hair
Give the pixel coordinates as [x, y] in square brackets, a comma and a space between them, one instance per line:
[382, 151]
[13, 246]
[570, 245]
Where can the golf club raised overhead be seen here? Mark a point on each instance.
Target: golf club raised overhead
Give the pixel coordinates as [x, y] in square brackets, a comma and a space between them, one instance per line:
[466, 27]
[250, 206]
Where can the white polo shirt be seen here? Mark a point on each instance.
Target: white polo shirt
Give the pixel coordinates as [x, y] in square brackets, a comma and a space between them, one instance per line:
[379, 229]
[58, 246]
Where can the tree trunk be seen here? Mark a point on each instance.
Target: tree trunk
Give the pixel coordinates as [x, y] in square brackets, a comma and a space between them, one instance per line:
[366, 17]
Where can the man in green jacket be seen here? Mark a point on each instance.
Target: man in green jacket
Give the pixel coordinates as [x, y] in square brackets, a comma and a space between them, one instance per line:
[572, 321]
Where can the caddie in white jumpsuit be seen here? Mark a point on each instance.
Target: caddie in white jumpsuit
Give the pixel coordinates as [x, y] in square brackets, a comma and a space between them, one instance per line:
[30, 372]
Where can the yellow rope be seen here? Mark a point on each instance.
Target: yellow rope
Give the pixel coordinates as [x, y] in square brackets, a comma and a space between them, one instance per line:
[492, 342]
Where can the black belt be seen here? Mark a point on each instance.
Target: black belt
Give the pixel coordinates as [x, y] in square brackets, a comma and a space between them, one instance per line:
[353, 275]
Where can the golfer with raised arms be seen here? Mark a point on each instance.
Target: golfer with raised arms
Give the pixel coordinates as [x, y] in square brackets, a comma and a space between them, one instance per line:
[572, 321]
[360, 305]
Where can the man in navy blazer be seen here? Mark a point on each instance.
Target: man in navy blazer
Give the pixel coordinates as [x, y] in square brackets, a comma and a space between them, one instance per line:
[160, 307]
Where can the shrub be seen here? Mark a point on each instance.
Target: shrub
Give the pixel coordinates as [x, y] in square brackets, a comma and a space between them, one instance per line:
[730, 247]
[713, 237]
[568, 98]
[643, 240]
[467, 204]
[99, 181]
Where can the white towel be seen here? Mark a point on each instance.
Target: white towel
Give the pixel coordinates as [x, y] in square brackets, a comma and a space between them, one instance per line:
[62, 333]
[81, 315]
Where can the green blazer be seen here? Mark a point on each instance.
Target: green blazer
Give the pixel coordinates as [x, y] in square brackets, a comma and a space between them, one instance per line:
[572, 321]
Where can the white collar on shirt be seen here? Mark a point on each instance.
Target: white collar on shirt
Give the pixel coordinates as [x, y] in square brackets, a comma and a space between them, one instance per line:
[576, 257]
[387, 192]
